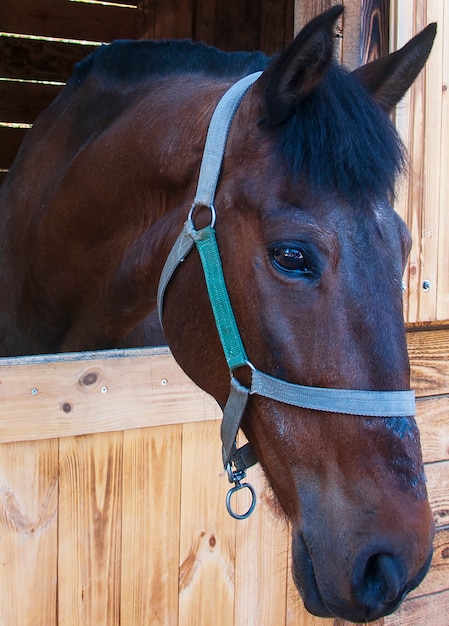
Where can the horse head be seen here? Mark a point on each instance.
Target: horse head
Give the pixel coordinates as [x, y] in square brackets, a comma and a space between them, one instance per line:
[313, 255]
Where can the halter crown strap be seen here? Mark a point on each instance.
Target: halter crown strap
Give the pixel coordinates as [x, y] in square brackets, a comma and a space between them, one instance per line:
[217, 135]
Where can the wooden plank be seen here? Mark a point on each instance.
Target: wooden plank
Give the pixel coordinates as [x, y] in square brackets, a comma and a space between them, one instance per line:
[61, 398]
[10, 141]
[432, 419]
[432, 171]
[437, 579]
[306, 11]
[375, 29]
[231, 28]
[442, 285]
[438, 488]
[431, 610]
[28, 533]
[276, 25]
[421, 119]
[400, 32]
[171, 19]
[203, 23]
[70, 20]
[207, 533]
[90, 506]
[262, 547]
[429, 357]
[99, 392]
[22, 102]
[350, 54]
[38, 59]
[150, 525]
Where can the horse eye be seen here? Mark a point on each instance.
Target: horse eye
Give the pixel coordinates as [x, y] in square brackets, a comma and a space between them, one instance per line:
[289, 259]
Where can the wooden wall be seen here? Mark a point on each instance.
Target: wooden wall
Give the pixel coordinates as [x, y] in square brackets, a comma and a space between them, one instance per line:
[423, 120]
[112, 502]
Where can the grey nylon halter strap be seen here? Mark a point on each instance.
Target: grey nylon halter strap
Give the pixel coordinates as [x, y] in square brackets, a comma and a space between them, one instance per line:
[345, 401]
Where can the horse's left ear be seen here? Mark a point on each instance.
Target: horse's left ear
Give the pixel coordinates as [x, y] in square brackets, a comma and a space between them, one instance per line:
[297, 71]
[389, 77]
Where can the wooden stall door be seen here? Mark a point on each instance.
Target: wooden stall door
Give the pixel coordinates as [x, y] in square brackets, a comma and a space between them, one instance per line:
[113, 513]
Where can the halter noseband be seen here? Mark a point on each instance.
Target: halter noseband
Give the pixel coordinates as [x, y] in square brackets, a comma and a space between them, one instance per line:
[347, 401]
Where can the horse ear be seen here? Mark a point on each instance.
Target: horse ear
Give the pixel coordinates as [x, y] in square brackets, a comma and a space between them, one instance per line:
[297, 71]
[389, 77]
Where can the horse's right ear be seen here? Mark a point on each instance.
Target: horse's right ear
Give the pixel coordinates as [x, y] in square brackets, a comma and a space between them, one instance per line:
[389, 77]
[297, 71]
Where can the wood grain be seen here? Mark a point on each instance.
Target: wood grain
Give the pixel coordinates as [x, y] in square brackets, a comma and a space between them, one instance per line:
[90, 509]
[10, 140]
[438, 488]
[22, 102]
[437, 579]
[70, 20]
[375, 29]
[38, 59]
[421, 118]
[442, 285]
[166, 20]
[150, 526]
[432, 419]
[262, 547]
[207, 532]
[47, 397]
[431, 610]
[429, 358]
[28, 533]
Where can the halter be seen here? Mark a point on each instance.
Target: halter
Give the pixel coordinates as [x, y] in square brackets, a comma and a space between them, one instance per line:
[347, 401]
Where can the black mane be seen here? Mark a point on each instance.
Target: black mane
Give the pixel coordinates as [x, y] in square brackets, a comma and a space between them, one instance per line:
[339, 139]
[129, 60]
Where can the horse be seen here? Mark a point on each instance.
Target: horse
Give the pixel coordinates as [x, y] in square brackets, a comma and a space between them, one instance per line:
[311, 252]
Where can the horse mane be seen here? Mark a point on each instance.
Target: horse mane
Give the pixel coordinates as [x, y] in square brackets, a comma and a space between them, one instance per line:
[129, 60]
[338, 139]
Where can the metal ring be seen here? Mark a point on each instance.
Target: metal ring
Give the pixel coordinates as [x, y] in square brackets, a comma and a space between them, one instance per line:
[233, 490]
[211, 207]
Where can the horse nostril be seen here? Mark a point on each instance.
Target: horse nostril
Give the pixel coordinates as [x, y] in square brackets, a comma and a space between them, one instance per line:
[380, 582]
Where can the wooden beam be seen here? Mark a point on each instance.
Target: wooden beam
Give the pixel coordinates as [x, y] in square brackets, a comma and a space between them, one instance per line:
[22, 102]
[52, 397]
[10, 140]
[69, 394]
[375, 29]
[37, 59]
[305, 11]
[70, 20]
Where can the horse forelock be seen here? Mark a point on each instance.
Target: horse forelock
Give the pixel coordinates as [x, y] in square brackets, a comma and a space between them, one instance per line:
[340, 140]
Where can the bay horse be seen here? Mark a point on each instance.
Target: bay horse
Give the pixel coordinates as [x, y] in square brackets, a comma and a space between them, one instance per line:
[312, 256]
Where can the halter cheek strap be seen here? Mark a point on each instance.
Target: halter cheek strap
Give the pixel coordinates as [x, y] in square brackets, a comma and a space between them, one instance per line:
[346, 401]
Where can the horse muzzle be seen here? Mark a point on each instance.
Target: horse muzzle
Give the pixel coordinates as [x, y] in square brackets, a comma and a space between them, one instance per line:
[378, 583]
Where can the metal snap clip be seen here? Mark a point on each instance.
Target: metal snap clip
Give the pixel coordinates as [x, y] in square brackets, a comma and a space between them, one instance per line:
[236, 477]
